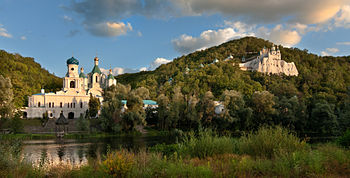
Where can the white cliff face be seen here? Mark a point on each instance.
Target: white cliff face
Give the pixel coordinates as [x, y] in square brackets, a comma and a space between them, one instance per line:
[270, 62]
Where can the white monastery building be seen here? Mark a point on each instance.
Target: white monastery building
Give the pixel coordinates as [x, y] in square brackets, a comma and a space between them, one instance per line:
[74, 97]
[269, 62]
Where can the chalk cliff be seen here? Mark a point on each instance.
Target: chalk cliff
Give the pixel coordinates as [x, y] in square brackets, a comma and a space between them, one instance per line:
[269, 62]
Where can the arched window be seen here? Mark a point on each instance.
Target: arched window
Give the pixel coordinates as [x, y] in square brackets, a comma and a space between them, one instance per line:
[81, 104]
[91, 79]
[96, 79]
[68, 105]
[53, 105]
[72, 84]
[60, 104]
[38, 104]
[49, 105]
[73, 105]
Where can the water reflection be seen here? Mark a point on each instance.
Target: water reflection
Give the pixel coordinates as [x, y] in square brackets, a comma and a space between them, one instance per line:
[79, 152]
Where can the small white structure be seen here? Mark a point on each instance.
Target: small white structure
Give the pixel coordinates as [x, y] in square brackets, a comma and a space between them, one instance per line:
[74, 97]
[219, 107]
[269, 62]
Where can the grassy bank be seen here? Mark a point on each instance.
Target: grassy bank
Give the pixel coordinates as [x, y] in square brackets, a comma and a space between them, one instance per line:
[26, 136]
[270, 152]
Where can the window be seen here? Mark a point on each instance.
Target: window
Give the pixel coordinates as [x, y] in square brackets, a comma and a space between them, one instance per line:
[73, 105]
[91, 79]
[53, 105]
[72, 69]
[96, 79]
[38, 104]
[49, 105]
[72, 84]
[68, 105]
[60, 104]
[81, 104]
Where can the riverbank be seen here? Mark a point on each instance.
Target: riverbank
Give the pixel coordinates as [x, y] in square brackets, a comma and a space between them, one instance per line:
[270, 152]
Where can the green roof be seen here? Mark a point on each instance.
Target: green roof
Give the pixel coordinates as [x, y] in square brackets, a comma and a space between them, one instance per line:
[72, 60]
[96, 69]
[110, 76]
[82, 75]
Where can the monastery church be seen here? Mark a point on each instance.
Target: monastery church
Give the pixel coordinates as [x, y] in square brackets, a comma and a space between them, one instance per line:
[74, 97]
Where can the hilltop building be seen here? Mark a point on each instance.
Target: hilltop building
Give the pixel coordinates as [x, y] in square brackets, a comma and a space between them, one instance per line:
[74, 97]
[269, 62]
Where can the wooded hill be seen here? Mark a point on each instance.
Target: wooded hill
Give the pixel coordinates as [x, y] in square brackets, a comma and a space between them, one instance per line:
[27, 76]
[325, 77]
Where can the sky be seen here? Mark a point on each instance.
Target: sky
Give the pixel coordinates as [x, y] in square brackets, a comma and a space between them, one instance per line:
[134, 35]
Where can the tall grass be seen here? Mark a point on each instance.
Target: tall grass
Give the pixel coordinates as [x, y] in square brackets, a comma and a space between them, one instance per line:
[207, 143]
[269, 142]
[268, 152]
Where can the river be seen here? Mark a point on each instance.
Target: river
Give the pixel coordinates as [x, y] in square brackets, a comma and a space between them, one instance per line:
[77, 152]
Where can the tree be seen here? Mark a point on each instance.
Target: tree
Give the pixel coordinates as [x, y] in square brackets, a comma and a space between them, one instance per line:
[206, 108]
[94, 106]
[263, 105]
[323, 119]
[6, 98]
[236, 115]
[191, 119]
[163, 111]
[16, 123]
[176, 108]
[111, 113]
[83, 124]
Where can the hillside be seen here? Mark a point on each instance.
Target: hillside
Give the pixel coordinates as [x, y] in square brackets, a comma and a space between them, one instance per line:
[321, 77]
[27, 76]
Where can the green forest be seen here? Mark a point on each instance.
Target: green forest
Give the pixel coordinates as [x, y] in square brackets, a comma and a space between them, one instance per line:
[27, 77]
[315, 102]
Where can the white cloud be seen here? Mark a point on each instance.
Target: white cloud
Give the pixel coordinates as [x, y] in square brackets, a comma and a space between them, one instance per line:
[139, 34]
[347, 43]
[23, 38]
[4, 33]
[343, 17]
[286, 36]
[186, 44]
[307, 12]
[119, 70]
[157, 62]
[109, 29]
[143, 69]
[332, 50]
[279, 35]
[67, 18]
[153, 65]
[329, 51]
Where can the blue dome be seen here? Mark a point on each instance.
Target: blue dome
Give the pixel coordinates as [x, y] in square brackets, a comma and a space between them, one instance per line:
[72, 60]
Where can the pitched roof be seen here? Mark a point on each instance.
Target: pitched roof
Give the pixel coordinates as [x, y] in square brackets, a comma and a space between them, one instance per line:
[62, 120]
[96, 69]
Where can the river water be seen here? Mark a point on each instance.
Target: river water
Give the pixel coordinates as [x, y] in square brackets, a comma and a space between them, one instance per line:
[77, 152]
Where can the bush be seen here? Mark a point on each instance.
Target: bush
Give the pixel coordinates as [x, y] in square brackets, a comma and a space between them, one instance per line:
[206, 144]
[166, 150]
[118, 164]
[345, 139]
[268, 142]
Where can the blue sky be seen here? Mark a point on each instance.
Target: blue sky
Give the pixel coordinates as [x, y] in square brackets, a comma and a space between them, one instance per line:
[134, 34]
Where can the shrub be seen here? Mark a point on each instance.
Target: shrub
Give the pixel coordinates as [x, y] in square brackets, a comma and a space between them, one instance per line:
[166, 150]
[345, 139]
[206, 144]
[268, 142]
[118, 164]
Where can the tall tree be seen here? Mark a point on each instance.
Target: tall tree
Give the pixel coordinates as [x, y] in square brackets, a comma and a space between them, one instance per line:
[6, 98]
[94, 106]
